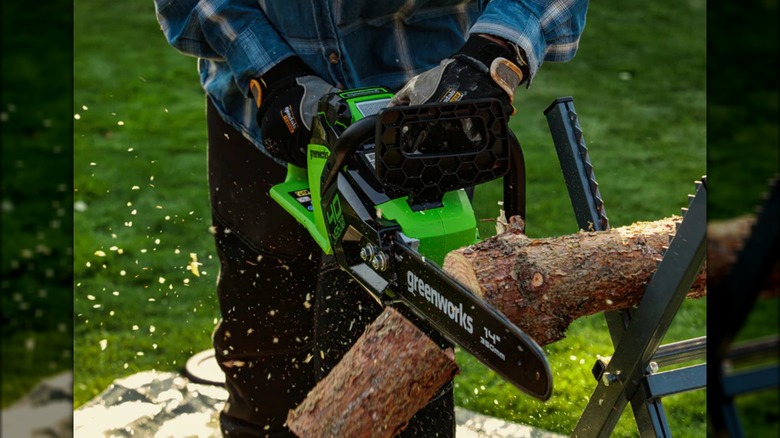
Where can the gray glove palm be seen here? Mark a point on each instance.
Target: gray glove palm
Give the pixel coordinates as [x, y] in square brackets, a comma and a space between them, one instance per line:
[476, 71]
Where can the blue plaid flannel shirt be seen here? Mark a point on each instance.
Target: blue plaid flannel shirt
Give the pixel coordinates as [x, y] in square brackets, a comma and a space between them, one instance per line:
[352, 43]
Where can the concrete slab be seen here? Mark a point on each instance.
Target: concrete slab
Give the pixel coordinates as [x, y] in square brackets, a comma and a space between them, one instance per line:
[160, 405]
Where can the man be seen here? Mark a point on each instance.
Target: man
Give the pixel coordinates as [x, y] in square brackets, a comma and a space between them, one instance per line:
[289, 313]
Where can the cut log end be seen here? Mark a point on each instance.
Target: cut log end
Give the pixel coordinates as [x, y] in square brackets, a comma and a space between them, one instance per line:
[457, 265]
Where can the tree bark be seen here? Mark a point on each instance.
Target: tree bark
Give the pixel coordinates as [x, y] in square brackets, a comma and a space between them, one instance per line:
[390, 373]
[542, 285]
[724, 243]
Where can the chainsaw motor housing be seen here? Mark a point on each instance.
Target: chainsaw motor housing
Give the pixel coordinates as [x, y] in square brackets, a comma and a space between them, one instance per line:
[408, 165]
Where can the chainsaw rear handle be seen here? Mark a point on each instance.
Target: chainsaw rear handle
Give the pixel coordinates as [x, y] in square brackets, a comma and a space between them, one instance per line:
[371, 128]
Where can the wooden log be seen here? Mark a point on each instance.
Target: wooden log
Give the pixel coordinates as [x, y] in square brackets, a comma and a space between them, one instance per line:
[390, 373]
[542, 285]
[724, 243]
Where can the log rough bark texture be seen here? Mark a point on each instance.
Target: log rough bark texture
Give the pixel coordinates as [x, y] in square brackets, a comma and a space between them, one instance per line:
[725, 239]
[390, 373]
[542, 285]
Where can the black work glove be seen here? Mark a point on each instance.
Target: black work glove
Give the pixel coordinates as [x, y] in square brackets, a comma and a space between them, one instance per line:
[287, 97]
[484, 67]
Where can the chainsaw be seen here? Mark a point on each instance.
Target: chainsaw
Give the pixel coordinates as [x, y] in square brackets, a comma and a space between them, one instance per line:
[385, 191]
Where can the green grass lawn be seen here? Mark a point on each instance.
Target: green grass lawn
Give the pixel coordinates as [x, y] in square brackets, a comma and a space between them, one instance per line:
[141, 207]
[140, 198]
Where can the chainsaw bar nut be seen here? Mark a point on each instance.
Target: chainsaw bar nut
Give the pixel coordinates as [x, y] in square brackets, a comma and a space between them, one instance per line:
[380, 261]
[368, 252]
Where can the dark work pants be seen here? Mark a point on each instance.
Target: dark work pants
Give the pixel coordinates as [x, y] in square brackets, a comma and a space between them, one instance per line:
[288, 312]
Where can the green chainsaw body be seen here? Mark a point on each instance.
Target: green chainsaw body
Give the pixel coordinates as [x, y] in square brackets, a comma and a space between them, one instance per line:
[439, 230]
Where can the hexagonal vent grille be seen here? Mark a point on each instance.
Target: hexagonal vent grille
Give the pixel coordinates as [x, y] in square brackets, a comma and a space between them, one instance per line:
[425, 151]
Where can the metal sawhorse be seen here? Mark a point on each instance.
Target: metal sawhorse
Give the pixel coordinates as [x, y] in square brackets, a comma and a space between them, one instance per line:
[631, 375]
